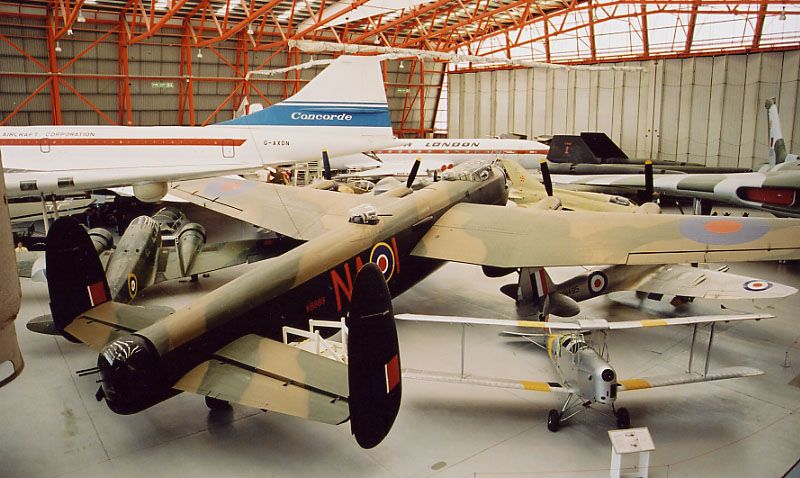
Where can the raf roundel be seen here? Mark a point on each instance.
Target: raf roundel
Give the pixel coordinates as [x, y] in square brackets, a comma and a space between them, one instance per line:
[133, 286]
[757, 285]
[597, 282]
[383, 256]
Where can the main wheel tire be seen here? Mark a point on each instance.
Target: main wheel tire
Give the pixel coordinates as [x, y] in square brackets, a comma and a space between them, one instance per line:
[623, 418]
[553, 420]
[217, 404]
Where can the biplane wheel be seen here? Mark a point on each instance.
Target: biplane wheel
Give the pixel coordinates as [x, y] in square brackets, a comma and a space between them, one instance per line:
[623, 418]
[217, 404]
[553, 420]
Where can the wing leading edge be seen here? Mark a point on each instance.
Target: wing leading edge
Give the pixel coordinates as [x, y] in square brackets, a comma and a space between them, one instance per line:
[514, 237]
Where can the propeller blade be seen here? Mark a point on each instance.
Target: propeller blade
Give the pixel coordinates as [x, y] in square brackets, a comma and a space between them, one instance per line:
[648, 180]
[413, 174]
[548, 182]
[326, 165]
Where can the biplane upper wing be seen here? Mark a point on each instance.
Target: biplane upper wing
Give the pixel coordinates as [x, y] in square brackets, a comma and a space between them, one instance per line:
[300, 213]
[515, 237]
[447, 377]
[682, 378]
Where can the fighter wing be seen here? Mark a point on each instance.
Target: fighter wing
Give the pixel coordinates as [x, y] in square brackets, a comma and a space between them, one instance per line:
[270, 375]
[486, 381]
[214, 257]
[300, 213]
[682, 378]
[686, 281]
[515, 237]
[530, 191]
[584, 324]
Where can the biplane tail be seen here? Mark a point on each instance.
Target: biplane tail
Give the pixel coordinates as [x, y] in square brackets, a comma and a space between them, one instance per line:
[75, 277]
[373, 358]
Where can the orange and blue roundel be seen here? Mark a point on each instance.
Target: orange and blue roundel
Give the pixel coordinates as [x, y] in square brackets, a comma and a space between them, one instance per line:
[723, 230]
[383, 256]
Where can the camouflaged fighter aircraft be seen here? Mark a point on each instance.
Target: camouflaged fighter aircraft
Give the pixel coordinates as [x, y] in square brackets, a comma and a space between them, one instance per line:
[140, 259]
[228, 344]
[529, 192]
[585, 375]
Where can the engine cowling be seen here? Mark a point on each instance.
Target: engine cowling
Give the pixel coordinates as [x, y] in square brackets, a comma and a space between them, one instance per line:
[150, 192]
[189, 242]
[102, 240]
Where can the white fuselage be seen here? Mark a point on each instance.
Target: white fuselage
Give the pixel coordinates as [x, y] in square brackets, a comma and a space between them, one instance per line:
[65, 159]
[441, 154]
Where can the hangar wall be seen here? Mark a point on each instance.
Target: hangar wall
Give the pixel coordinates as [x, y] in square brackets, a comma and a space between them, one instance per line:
[704, 109]
[155, 78]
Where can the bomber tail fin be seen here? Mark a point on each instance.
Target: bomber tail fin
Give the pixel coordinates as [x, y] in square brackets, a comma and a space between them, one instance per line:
[349, 92]
[777, 146]
[75, 277]
[373, 358]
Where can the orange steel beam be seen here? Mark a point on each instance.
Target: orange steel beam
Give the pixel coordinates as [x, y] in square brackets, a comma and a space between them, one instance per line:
[124, 107]
[26, 101]
[759, 29]
[55, 97]
[85, 100]
[692, 23]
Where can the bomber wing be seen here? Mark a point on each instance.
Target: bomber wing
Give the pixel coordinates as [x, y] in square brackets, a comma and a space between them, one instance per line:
[514, 237]
[687, 281]
[300, 213]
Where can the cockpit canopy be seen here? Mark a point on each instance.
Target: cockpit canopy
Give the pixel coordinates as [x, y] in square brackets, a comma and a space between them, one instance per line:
[474, 170]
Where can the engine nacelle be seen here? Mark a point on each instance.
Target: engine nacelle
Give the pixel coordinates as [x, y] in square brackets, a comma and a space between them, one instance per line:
[102, 240]
[132, 378]
[189, 242]
[150, 192]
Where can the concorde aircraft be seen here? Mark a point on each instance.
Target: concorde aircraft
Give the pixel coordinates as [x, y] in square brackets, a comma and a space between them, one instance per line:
[342, 109]
[357, 252]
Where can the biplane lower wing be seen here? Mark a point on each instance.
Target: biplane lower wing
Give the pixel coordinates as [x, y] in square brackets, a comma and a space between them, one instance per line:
[684, 378]
[447, 377]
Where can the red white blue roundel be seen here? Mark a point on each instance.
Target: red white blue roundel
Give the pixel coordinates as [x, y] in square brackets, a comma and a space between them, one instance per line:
[597, 282]
[383, 256]
[757, 285]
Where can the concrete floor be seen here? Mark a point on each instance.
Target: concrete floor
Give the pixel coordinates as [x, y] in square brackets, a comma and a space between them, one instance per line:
[53, 427]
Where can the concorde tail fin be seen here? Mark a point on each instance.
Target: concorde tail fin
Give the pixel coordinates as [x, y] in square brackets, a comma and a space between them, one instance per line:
[349, 92]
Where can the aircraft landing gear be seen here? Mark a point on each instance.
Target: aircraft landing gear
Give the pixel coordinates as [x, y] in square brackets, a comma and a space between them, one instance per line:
[553, 420]
[623, 418]
[217, 404]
